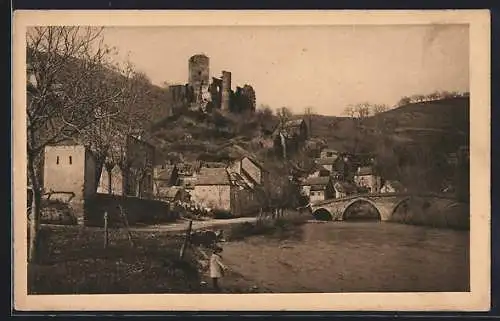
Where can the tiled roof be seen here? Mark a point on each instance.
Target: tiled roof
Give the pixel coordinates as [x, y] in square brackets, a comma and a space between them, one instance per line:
[366, 170]
[321, 180]
[213, 165]
[256, 162]
[326, 160]
[213, 176]
[165, 173]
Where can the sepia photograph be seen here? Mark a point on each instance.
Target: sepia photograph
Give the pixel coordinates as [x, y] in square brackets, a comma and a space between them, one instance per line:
[316, 155]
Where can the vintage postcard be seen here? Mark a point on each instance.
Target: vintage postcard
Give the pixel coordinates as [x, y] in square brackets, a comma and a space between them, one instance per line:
[251, 160]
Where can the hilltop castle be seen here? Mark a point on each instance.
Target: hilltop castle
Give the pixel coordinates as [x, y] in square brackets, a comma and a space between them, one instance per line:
[201, 94]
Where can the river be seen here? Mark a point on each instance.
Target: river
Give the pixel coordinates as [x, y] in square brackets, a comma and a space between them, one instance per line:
[353, 257]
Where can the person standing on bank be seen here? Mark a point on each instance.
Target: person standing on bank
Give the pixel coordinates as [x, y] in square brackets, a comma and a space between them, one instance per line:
[217, 268]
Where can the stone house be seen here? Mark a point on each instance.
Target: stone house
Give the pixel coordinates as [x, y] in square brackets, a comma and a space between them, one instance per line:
[288, 137]
[319, 171]
[136, 177]
[165, 176]
[250, 170]
[173, 194]
[391, 186]
[70, 169]
[344, 189]
[318, 188]
[187, 174]
[116, 185]
[296, 128]
[367, 180]
[212, 189]
[329, 163]
[328, 152]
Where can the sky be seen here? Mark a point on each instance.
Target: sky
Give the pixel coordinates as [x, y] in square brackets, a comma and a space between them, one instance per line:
[323, 67]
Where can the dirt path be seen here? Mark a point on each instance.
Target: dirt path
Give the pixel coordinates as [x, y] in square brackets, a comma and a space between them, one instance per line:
[197, 225]
[181, 225]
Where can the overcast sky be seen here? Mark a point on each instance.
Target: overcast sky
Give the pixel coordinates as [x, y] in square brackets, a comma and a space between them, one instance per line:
[324, 67]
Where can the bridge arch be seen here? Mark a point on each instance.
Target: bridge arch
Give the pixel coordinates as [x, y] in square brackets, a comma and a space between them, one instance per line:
[322, 214]
[400, 204]
[361, 201]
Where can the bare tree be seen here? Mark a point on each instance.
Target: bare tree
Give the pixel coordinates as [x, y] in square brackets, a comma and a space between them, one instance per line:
[309, 114]
[66, 93]
[284, 114]
[404, 101]
[107, 136]
[379, 108]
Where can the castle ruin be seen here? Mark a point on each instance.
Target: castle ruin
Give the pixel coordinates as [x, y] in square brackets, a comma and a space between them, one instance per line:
[199, 93]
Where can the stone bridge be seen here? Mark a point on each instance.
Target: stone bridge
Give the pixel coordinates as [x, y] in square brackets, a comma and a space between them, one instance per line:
[384, 204]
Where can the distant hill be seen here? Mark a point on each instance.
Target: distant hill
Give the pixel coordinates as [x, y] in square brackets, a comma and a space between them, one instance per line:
[446, 120]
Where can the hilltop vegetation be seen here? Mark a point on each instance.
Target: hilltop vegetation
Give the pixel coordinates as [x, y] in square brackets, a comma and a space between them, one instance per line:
[413, 122]
[410, 142]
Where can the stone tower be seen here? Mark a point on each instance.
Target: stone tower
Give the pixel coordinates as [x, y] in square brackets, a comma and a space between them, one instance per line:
[199, 76]
[226, 90]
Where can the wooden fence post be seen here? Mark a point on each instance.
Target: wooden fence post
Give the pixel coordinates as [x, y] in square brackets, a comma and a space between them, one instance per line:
[105, 229]
[186, 239]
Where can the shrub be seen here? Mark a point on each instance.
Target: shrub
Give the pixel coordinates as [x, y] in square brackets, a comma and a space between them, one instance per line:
[221, 214]
[283, 226]
[56, 212]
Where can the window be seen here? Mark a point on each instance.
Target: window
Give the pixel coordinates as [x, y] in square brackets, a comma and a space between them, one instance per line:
[57, 160]
[70, 160]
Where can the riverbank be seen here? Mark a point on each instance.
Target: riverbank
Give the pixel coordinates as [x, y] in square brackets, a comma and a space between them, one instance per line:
[328, 257]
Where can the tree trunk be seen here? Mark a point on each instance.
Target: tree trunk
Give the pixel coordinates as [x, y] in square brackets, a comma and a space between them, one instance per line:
[34, 245]
[110, 190]
[99, 164]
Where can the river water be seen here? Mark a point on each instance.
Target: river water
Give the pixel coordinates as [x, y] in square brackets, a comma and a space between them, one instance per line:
[353, 257]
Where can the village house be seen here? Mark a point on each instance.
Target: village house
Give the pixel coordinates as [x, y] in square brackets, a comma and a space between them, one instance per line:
[136, 179]
[391, 186]
[329, 163]
[212, 189]
[111, 182]
[250, 170]
[70, 171]
[318, 171]
[327, 152]
[366, 180]
[318, 188]
[165, 176]
[289, 136]
[344, 189]
[174, 194]
[187, 173]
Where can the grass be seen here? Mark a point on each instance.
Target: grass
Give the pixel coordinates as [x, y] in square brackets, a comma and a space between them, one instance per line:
[76, 262]
[286, 226]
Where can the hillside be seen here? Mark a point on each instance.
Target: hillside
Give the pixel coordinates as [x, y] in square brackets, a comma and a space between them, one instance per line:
[445, 120]
[410, 143]
[219, 136]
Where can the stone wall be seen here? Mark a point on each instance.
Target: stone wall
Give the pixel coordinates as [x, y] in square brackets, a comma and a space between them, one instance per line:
[213, 196]
[138, 210]
[244, 202]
